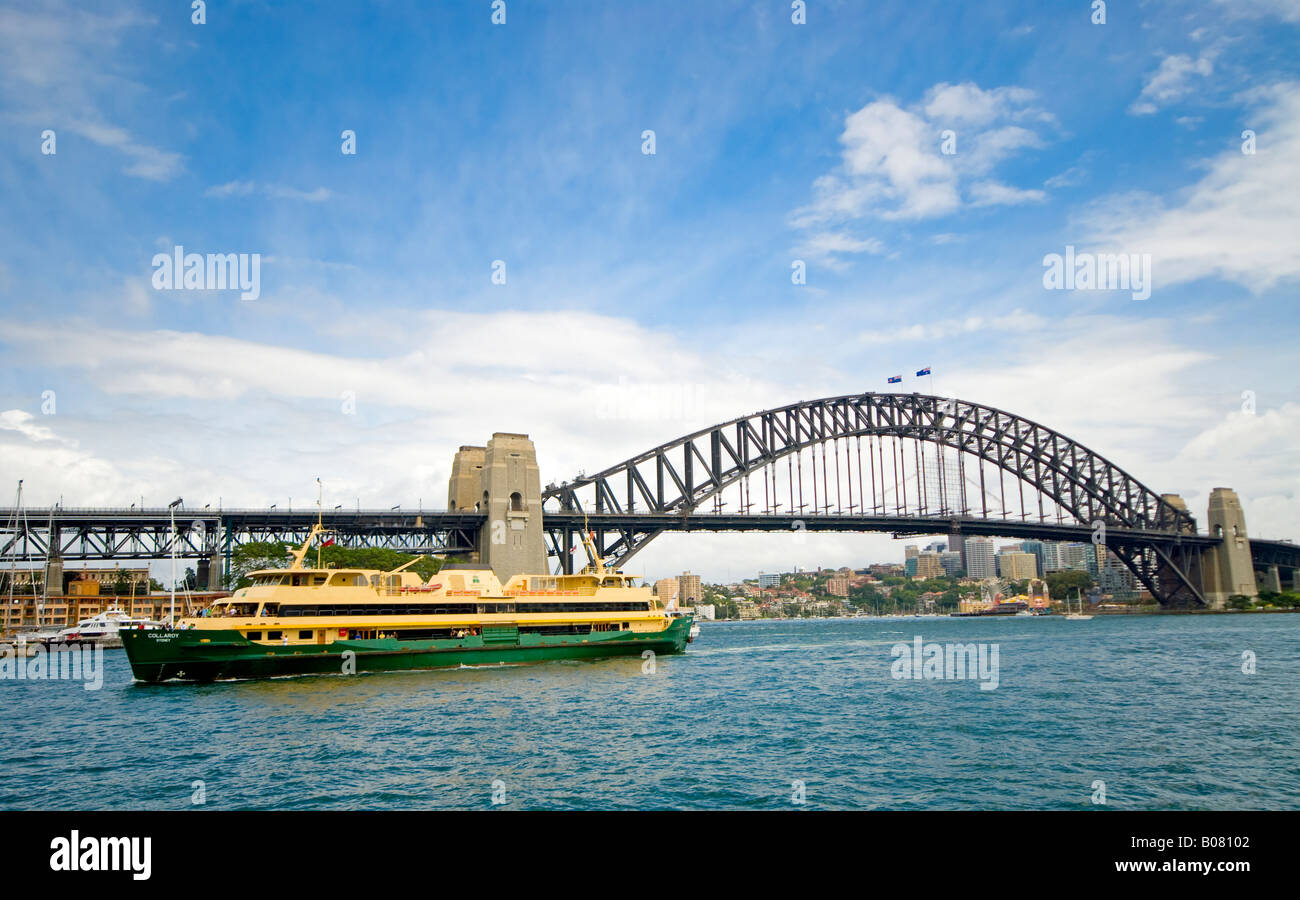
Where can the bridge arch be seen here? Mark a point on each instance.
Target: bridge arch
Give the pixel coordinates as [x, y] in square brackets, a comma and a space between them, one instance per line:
[967, 440]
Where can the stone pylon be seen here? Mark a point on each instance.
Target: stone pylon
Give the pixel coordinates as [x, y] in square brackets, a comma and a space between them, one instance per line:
[502, 480]
[1227, 568]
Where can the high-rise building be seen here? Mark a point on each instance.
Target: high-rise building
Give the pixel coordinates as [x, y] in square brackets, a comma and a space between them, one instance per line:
[951, 562]
[1039, 549]
[909, 566]
[1079, 556]
[928, 565]
[666, 590]
[1017, 565]
[1052, 557]
[910, 551]
[1114, 577]
[688, 589]
[838, 585]
[768, 579]
[981, 561]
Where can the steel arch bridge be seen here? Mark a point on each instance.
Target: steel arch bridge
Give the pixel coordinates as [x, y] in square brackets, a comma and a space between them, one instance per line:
[955, 458]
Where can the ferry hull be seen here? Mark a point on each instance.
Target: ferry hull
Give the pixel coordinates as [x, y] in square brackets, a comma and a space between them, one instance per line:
[207, 655]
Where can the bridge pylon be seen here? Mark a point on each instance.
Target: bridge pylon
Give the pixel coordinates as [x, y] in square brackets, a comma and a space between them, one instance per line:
[1227, 567]
[503, 481]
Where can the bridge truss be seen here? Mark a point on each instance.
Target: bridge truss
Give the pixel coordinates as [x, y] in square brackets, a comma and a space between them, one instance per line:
[902, 457]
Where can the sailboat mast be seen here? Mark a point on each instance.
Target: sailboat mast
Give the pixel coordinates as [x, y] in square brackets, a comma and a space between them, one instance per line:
[320, 523]
[18, 504]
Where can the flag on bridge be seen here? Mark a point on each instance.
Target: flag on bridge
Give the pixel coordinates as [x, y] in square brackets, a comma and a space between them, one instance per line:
[925, 371]
[895, 379]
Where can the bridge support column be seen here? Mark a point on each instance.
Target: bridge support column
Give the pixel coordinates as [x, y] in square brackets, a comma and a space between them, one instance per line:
[54, 575]
[502, 480]
[1273, 580]
[209, 572]
[1227, 568]
[465, 488]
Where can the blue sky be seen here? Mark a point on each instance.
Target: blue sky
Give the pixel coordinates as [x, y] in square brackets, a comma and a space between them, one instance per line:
[630, 272]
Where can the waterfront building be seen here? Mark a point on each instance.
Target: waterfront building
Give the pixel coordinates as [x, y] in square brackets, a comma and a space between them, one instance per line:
[63, 611]
[768, 580]
[838, 586]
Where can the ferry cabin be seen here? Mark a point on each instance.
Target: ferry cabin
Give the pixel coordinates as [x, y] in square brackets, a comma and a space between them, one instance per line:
[320, 606]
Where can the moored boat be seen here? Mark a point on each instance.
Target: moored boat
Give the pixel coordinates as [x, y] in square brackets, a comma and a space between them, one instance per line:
[105, 628]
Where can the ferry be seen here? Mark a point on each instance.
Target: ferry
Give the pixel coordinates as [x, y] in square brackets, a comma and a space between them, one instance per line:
[300, 620]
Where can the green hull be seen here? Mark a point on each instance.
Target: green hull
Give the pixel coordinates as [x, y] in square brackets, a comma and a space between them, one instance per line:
[162, 655]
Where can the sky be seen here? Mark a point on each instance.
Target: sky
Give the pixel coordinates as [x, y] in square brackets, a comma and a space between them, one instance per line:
[503, 251]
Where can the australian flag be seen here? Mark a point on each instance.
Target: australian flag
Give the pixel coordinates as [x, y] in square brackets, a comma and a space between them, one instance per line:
[925, 371]
[895, 379]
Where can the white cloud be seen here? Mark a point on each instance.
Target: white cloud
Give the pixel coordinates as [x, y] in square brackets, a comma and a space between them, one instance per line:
[1238, 222]
[827, 246]
[277, 191]
[1286, 10]
[991, 193]
[892, 166]
[54, 65]
[967, 104]
[24, 423]
[1071, 177]
[1175, 78]
[1016, 321]
[1258, 451]
[231, 189]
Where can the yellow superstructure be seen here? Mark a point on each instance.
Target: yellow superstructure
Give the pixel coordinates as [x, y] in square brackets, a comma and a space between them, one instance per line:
[299, 605]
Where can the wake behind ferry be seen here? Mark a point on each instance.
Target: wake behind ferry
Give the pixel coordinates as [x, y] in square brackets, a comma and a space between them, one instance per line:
[340, 620]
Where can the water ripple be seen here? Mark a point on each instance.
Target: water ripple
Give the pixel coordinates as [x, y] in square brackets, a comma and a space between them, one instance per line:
[753, 716]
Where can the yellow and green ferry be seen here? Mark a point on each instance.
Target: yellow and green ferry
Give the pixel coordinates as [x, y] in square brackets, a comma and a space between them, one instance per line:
[300, 620]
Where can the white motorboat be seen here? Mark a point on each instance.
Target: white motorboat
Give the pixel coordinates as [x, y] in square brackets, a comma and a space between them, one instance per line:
[105, 626]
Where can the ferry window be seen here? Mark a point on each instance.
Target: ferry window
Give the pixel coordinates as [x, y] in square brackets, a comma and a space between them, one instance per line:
[255, 635]
[318, 579]
[274, 635]
[304, 635]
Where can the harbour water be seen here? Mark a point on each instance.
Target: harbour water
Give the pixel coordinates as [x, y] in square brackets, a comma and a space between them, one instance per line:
[755, 715]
